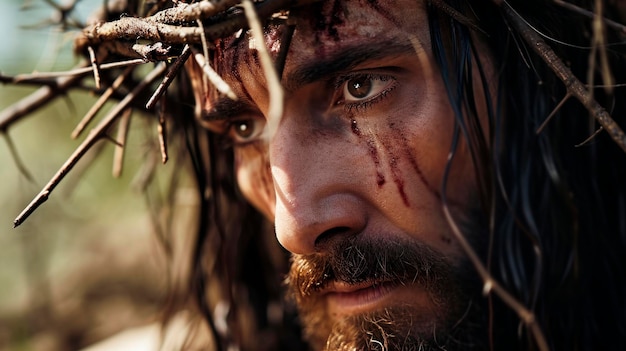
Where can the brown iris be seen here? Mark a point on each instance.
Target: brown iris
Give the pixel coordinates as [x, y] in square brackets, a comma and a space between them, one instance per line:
[243, 129]
[360, 87]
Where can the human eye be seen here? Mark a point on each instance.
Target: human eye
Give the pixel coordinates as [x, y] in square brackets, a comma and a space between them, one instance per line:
[360, 90]
[243, 131]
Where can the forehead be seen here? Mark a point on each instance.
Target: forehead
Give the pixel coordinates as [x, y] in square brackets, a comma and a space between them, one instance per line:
[330, 24]
[325, 28]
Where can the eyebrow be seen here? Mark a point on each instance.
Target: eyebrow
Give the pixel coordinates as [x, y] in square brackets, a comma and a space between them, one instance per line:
[226, 108]
[344, 59]
[341, 60]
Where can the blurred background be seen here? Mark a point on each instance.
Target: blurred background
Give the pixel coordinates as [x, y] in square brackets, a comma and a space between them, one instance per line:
[87, 263]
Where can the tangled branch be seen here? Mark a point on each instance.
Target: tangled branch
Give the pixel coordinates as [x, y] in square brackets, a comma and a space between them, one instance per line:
[163, 30]
[174, 26]
[573, 85]
[96, 135]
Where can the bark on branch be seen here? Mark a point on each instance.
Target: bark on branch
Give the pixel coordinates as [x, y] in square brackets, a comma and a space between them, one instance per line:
[97, 134]
[192, 12]
[573, 85]
[177, 25]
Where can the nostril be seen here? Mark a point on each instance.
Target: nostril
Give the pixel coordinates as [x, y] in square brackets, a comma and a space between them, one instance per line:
[327, 238]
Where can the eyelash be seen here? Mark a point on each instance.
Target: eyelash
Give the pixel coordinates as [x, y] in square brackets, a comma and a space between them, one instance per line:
[341, 82]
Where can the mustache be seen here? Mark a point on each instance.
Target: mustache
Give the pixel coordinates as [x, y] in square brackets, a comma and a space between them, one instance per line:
[353, 260]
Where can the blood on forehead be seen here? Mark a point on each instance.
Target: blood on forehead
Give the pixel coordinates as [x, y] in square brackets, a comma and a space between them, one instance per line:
[231, 51]
[323, 25]
[329, 16]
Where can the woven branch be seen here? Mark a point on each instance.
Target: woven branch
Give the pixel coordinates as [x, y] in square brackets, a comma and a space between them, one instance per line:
[159, 27]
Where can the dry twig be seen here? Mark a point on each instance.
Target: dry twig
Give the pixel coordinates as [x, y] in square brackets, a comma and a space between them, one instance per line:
[553, 113]
[36, 100]
[162, 131]
[158, 28]
[490, 284]
[573, 85]
[615, 25]
[94, 65]
[275, 110]
[39, 77]
[122, 136]
[167, 80]
[17, 159]
[214, 77]
[100, 102]
[98, 133]
[192, 12]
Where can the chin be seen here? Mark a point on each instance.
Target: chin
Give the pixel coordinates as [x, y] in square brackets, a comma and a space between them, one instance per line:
[395, 329]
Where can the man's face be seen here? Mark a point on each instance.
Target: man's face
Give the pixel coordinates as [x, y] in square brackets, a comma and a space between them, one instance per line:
[352, 177]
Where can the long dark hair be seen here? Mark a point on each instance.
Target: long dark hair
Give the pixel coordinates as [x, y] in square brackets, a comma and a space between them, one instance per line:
[555, 209]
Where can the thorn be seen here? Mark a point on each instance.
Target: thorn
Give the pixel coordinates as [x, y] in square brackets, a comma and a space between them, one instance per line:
[94, 65]
[591, 137]
[556, 109]
[167, 80]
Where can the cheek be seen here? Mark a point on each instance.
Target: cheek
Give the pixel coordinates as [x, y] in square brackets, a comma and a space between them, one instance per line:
[409, 148]
[410, 145]
[254, 178]
[436, 146]
[428, 137]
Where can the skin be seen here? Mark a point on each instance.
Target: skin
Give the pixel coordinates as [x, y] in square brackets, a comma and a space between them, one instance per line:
[348, 161]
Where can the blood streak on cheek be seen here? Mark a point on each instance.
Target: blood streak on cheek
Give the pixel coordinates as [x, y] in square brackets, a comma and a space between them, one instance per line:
[380, 178]
[393, 162]
[409, 154]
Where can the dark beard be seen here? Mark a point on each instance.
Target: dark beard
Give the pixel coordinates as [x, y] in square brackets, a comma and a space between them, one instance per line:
[393, 330]
[457, 323]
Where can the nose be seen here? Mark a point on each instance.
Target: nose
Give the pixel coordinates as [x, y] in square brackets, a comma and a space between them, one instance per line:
[317, 190]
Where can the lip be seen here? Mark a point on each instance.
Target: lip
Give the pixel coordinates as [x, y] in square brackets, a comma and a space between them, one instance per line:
[345, 299]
